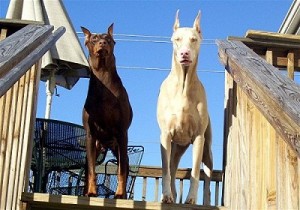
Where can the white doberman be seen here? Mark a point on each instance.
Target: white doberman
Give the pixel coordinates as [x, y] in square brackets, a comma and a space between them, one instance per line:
[183, 116]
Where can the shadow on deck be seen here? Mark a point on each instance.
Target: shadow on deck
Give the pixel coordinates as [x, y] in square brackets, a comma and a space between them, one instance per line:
[38, 201]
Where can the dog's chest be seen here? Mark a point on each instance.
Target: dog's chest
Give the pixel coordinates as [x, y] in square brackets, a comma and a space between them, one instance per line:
[184, 120]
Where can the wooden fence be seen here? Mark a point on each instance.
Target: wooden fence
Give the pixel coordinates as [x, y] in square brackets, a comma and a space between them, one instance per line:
[151, 174]
[20, 65]
[261, 132]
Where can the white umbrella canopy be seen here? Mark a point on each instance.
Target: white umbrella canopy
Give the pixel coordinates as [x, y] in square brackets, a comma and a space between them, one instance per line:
[65, 63]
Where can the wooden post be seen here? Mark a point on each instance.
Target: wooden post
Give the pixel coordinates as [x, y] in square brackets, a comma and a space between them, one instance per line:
[291, 64]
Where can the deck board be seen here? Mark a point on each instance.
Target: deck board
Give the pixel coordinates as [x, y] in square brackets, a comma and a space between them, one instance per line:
[40, 201]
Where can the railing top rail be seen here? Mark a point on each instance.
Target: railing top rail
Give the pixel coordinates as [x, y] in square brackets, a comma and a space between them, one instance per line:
[23, 49]
[276, 96]
[263, 39]
[182, 173]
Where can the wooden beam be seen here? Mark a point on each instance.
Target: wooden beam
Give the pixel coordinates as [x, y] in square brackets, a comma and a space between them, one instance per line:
[273, 36]
[265, 43]
[20, 44]
[182, 173]
[276, 96]
[37, 201]
[291, 64]
[25, 48]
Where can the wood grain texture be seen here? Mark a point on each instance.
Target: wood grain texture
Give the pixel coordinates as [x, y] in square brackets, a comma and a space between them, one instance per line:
[277, 97]
[261, 164]
[13, 62]
[38, 201]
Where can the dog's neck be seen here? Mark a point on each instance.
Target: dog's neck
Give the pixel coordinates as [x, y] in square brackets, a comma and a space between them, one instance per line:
[185, 75]
[103, 68]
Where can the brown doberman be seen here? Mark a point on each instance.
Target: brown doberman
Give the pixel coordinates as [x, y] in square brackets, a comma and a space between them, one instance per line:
[107, 113]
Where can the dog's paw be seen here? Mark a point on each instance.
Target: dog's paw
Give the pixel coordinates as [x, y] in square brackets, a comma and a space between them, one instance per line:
[120, 196]
[91, 195]
[91, 190]
[190, 201]
[167, 199]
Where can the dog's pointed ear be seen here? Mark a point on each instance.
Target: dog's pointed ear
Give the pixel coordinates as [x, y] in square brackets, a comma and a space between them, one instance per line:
[87, 34]
[176, 24]
[197, 22]
[110, 29]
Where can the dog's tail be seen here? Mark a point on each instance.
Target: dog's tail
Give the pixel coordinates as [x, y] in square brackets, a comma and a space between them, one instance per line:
[207, 153]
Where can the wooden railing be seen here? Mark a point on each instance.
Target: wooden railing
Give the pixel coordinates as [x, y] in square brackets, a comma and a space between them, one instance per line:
[261, 131]
[147, 186]
[20, 66]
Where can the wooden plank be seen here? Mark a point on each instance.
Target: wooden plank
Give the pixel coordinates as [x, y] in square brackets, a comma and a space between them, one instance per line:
[16, 70]
[272, 36]
[20, 44]
[270, 153]
[11, 151]
[182, 173]
[29, 120]
[3, 33]
[16, 23]
[144, 192]
[263, 44]
[39, 201]
[156, 189]
[276, 96]
[19, 134]
[291, 64]
[4, 143]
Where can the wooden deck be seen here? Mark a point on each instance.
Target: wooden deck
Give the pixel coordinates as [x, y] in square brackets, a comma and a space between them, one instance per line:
[39, 201]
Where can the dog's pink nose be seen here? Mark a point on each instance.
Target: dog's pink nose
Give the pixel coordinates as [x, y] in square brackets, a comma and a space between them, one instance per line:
[185, 53]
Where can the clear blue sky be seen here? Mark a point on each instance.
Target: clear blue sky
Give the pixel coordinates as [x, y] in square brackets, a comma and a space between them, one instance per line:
[220, 19]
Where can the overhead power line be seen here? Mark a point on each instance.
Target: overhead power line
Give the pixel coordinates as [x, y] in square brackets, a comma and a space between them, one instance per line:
[165, 69]
[148, 38]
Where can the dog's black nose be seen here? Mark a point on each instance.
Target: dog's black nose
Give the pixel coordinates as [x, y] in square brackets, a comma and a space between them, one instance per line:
[102, 42]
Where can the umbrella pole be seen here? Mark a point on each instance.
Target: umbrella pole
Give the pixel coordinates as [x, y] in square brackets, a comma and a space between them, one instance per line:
[50, 85]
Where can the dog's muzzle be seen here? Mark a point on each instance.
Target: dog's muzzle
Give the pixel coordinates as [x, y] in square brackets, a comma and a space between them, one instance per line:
[102, 53]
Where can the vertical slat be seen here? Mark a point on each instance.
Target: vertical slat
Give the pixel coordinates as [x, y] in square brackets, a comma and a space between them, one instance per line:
[298, 177]
[29, 129]
[181, 190]
[228, 151]
[144, 188]
[243, 148]
[287, 177]
[20, 138]
[269, 56]
[156, 189]
[281, 173]
[7, 102]
[2, 111]
[23, 127]
[291, 64]
[270, 155]
[5, 150]
[12, 151]
[217, 188]
[3, 33]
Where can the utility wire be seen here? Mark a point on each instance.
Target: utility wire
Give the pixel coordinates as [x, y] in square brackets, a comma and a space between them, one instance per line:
[164, 69]
[145, 38]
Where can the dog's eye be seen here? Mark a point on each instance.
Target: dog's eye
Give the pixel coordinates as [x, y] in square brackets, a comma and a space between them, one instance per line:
[94, 39]
[194, 39]
[177, 38]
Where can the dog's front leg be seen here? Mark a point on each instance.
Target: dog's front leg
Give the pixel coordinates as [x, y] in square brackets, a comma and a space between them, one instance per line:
[165, 147]
[198, 145]
[123, 168]
[90, 166]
